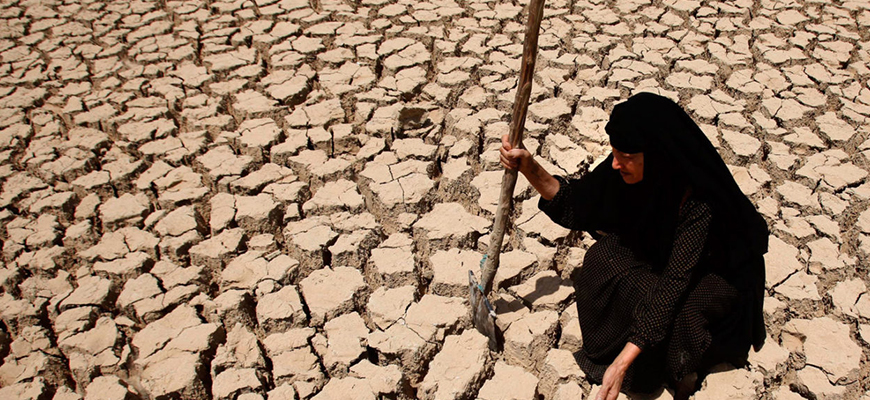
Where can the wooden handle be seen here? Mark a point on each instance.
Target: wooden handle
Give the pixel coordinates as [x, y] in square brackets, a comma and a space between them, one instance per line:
[518, 122]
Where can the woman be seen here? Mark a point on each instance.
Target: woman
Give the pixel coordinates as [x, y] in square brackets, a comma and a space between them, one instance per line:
[675, 282]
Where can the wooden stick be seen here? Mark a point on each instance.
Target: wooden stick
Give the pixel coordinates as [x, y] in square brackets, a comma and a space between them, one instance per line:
[518, 122]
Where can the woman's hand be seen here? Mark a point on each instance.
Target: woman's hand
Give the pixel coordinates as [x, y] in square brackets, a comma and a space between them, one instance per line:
[522, 161]
[611, 384]
[517, 159]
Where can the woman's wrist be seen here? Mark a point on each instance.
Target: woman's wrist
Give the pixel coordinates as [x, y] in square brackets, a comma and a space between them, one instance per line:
[627, 355]
[622, 363]
[528, 167]
[527, 164]
[539, 178]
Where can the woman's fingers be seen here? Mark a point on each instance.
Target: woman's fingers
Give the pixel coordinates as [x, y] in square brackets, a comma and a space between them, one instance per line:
[614, 393]
[505, 142]
[508, 162]
[610, 384]
[613, 390]
[504, 152]
[603, 393]
[509, 158]
[607, 392]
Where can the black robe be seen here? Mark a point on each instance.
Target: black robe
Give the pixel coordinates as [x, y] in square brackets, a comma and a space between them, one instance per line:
[680, 272]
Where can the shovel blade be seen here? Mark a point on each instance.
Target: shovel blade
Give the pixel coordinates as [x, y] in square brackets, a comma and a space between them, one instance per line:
[483, 313]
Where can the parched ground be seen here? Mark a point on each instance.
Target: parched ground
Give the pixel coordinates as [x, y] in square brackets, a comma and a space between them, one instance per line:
[280, 199]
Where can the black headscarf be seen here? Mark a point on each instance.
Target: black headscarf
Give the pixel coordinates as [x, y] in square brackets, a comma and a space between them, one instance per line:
[677, 155]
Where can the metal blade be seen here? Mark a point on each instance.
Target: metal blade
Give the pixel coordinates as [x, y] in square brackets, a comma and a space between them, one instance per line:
[483, 313]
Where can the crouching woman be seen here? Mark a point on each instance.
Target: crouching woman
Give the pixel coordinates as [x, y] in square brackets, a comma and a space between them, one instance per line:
[675, 281]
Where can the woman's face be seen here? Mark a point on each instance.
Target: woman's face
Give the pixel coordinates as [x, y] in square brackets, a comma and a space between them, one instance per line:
[629, 165]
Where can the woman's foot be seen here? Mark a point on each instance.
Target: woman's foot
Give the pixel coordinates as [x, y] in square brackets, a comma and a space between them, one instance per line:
[686, 387]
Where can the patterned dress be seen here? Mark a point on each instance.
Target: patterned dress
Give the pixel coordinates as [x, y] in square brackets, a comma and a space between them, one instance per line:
[677, 312]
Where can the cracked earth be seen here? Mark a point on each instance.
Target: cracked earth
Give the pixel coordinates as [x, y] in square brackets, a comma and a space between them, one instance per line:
[280, 199]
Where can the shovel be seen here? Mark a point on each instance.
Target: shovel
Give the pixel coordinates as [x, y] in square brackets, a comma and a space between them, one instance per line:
[483, 313]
